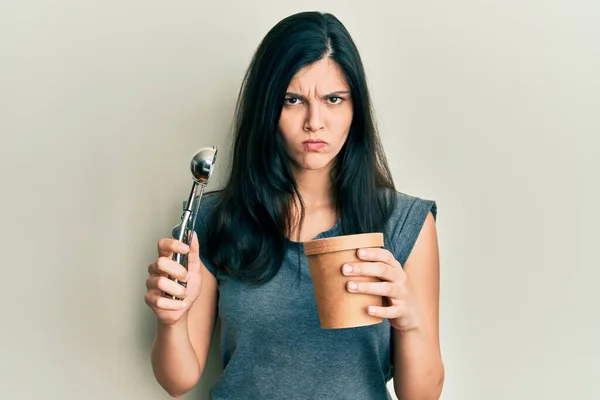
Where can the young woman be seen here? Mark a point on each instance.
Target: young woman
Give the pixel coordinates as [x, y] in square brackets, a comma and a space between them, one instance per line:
[307, 163]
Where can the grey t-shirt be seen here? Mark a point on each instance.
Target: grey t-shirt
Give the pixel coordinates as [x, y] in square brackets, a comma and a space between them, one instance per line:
[272, 344]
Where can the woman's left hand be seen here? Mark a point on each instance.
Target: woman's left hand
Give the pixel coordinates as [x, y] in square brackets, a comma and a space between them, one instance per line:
[400, 307]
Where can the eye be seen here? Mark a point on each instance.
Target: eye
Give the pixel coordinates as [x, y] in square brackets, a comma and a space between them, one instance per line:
[291, 101]
[335, 100]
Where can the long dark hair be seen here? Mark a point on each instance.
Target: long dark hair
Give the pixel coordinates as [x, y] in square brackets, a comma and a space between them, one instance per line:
[246, 232]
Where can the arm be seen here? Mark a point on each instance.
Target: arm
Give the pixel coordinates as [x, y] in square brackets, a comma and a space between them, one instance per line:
[180, 350]
[419, 370]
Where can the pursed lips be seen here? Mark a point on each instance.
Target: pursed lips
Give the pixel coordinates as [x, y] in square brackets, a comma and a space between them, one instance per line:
[314, 144]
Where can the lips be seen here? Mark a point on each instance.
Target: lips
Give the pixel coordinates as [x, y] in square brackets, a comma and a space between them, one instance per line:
[314, 141]
[314, 144]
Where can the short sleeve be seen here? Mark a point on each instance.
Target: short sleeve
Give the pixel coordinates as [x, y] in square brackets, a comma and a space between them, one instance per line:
[406, 224]
[205, 206]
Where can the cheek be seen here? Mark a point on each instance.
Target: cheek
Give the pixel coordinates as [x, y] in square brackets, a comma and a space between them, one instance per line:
[287, 125]
[290, 131]
[340, 124]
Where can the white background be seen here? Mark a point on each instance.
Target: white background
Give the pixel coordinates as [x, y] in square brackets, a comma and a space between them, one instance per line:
[488, 107]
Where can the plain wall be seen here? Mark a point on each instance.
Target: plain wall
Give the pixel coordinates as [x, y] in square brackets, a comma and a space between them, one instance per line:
[487, 107]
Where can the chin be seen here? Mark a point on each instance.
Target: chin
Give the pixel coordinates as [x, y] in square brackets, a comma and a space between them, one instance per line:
[314, 162]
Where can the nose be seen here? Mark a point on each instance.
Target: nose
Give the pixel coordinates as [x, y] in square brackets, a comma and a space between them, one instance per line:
[314, 119]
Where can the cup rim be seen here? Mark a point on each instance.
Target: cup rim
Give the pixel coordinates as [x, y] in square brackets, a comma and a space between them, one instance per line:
[343, 242]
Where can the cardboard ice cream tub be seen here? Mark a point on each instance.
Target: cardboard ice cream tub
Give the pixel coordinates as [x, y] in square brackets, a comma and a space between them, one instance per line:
[337, 307]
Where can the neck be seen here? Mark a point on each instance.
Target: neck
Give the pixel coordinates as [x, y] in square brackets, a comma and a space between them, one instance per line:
[315, 187]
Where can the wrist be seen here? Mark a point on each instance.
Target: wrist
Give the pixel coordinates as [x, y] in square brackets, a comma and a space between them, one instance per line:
[415, 329]
[409, 330]
[173, 325]
[411, 323]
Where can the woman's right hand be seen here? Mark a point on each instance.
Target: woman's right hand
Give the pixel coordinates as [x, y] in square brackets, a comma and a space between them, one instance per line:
[170, 311]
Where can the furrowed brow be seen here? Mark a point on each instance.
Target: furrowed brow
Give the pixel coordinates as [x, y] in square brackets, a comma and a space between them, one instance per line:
[332, 94]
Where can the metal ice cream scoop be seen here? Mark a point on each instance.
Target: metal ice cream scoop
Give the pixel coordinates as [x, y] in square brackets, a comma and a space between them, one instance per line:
[201, 166]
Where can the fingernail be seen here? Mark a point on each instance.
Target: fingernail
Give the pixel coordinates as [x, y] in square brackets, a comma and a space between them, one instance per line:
[347, 268]
[183, 248]
[352, 286]
[183, 305]
[362, 252]
[371, 310]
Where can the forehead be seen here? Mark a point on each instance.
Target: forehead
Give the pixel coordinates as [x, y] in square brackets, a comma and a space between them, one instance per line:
[324, 75]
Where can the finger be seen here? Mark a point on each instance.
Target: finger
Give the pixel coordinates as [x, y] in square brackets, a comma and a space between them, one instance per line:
[155, 300]
[194, 261]
[167, 246]
[375, 269]
[195, 247]
[378, 255]
[166, 266]
[386, 289]
[390, 312]
[153, 269]
[193, 257]
[166, 285]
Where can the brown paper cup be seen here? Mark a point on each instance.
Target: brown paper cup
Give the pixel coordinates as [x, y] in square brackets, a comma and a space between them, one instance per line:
[337, 307]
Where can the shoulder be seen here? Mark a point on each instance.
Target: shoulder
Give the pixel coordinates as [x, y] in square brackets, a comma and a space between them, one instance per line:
[207, 204]
[410, 208]
[406, 221]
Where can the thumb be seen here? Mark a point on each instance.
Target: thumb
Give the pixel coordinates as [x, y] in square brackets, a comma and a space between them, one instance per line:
[194, 254]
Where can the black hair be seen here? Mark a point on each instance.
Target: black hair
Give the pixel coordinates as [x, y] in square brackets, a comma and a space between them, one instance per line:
[246, 231]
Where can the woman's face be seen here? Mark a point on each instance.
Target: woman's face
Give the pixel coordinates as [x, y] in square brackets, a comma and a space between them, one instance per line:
[316, 116]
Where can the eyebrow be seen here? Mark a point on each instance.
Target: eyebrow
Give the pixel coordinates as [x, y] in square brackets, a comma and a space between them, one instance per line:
[336, 93]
